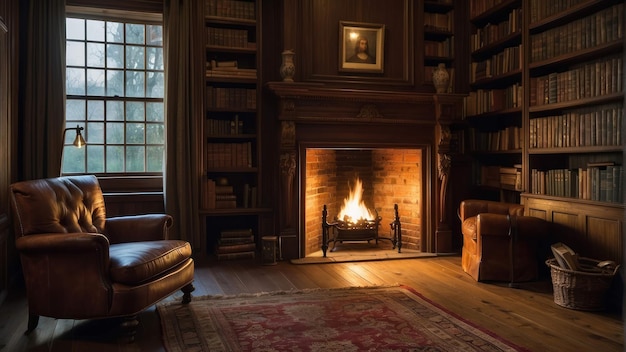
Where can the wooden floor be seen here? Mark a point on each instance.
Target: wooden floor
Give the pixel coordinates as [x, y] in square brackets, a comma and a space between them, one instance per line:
[527, 316]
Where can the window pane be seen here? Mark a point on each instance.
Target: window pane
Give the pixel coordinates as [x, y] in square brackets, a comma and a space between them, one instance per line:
[75, 28]
[115, 83]
[155, 85]
[135, 57]
[95, 110]
[75, 53]
[73, 159]
[155, 58]
[135, 156]
[135, 133]
[75, 81]
[74, 109]
[115, 56]
[115, 133]
[135, 34]
[115, 111]
[115, 159]
[135, 84]
[95, 82]
[154, 159]
[95, 157]
[115, 32]
[154, 112]
[154, 134]
[155, 35]
[95, 55]
[135, 111]
[95, 135]
[95, 30]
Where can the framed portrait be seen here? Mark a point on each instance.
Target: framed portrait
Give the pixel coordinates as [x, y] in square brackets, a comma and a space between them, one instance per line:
[361, 47]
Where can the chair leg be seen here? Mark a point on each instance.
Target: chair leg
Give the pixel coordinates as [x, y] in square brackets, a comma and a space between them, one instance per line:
[129, 328]
[33, 321]
[187, 290]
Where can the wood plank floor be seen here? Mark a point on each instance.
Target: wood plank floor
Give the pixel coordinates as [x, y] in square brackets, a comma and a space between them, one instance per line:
[527, 316]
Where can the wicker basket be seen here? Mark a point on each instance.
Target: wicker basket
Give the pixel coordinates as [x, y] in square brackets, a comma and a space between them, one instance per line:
[581, 290]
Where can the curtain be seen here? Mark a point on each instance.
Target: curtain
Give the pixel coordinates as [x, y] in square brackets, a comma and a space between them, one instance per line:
[42, 72]
[184, 92]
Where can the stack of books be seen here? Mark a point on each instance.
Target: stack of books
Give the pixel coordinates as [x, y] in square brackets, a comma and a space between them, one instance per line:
[236, 244]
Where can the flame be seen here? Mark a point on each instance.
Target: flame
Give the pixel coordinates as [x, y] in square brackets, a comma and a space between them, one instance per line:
[354, 209]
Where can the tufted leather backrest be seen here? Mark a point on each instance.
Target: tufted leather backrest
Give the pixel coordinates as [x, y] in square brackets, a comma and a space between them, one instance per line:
[58, 205]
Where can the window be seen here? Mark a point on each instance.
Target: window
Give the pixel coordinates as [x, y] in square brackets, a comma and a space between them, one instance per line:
[115, 86]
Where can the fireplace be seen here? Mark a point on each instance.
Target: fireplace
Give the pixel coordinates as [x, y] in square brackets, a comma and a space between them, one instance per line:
[397, 142]
[384, 177]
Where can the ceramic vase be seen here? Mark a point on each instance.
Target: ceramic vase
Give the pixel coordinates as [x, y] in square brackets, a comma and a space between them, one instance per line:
[287, 68]
[441, 79]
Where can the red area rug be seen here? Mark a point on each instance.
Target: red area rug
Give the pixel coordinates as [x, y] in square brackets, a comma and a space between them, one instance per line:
[348, 319]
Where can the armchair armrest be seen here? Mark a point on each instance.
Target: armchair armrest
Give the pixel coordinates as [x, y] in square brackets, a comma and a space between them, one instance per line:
[133, 228]
[53, 264]
[473, 207]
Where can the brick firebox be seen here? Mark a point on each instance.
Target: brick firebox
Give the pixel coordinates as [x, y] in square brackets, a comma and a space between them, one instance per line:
[315, 117]
[389, 176]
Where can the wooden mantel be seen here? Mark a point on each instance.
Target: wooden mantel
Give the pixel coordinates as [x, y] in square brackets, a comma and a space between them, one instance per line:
[310, 113]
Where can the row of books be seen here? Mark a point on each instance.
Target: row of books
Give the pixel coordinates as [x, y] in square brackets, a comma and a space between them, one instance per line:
[502, 177]
[540, 9]
[592, 79]
[600, 28]
[229, 68]
[233, 98]
[597, 126]
[236, 244]
[230, 8]
[225, 127]
[599, 183]
[505, 61]
[509, 138]
[444, 48]
[217, 196]
[478, 7]
[229, 37]
[492, 33]
[229, 155]
[439, 22]
[482, 101]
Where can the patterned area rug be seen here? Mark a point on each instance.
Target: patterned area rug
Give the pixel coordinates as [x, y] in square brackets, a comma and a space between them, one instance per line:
[347, 319]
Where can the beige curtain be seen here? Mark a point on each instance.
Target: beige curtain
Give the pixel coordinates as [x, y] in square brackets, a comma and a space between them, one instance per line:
[184, 60]
[43, 91]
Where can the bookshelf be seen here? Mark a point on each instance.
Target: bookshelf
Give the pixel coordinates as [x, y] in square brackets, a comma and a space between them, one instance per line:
[439, 46]
[230, 204]
[493, 107]
[575, 121]
[546, 97]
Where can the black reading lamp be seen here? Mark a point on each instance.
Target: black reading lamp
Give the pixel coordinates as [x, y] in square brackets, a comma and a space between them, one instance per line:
[79, 141]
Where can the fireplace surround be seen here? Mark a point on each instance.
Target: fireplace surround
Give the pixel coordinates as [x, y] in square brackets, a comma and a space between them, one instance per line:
[315, 117]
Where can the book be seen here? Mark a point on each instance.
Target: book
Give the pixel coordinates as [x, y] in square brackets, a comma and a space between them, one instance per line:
[565, 256]
[236, 240]
[236, 255]
[236, 233]
[236, 248]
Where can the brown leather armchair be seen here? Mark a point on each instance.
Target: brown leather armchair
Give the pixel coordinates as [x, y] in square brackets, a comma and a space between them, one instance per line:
[488, 228]
[78, 264]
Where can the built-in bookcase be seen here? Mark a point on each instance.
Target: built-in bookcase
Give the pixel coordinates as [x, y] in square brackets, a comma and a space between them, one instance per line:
[439, 45]
[231, 131]
[547, 95]
[494, 104]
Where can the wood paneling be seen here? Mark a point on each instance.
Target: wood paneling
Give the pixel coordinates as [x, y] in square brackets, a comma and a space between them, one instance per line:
[317, 51]
[594, 232]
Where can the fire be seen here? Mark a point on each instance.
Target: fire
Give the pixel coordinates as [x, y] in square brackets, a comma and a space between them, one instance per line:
[354, 210]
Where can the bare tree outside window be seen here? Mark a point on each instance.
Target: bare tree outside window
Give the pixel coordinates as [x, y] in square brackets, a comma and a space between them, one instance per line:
[115, 85]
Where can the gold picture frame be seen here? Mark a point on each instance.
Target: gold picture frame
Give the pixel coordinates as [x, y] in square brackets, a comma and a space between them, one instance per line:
[361, 47]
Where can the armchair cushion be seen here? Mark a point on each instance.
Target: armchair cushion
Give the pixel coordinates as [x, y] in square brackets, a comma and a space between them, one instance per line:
[137, 262]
